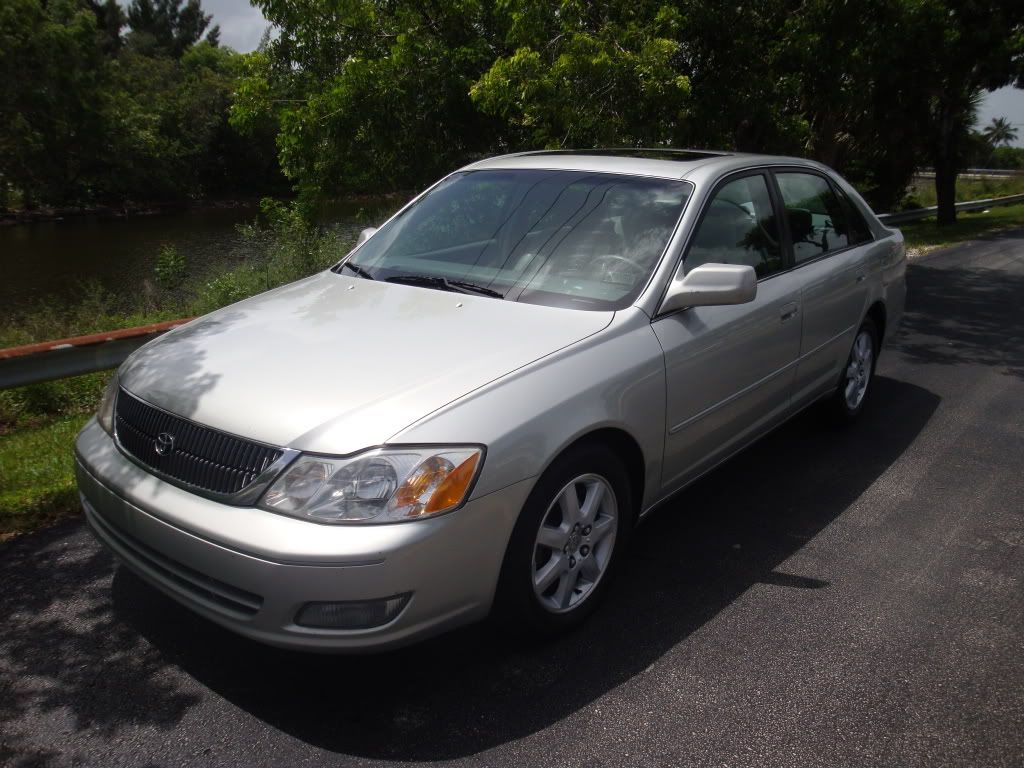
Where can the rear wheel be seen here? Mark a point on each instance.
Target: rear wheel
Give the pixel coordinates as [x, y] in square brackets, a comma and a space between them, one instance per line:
[565, 546]
[855, 382]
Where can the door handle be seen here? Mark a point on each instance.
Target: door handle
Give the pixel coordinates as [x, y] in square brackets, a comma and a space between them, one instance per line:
[861, 277]
[788, 311]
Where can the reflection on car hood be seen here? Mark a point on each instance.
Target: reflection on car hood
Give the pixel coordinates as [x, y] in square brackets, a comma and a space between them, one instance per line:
[336, 364]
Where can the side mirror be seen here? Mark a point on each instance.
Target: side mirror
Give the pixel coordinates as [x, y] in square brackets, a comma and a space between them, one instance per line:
[365, 235]
[712, 285]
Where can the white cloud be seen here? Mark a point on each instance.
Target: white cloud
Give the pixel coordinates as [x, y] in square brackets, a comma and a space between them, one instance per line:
[241, 25]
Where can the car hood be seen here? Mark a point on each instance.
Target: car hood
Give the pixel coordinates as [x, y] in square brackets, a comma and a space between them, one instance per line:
[335, 364]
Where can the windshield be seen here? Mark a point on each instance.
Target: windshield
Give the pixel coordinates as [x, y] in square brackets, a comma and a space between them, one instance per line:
[563, 238]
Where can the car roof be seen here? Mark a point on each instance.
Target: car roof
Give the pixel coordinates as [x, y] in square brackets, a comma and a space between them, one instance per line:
[665, 163]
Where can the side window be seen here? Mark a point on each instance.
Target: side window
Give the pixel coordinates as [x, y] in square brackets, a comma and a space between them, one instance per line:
[817, 221]
[860, 232]
[738, 227]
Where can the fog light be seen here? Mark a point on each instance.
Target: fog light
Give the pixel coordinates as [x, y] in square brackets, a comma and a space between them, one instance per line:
[357, 614]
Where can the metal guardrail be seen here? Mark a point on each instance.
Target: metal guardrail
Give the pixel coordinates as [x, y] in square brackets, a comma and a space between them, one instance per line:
[48, 360]
[970, 205]
[982, 172]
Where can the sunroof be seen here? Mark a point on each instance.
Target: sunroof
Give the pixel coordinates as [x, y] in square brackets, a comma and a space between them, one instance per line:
[679, 155]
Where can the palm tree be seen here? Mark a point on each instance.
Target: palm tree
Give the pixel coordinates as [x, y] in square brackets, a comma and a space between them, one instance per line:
[999, 131]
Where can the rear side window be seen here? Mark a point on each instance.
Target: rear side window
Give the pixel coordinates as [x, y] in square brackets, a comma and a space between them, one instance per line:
[817, 220]
[860, 232]
[738, 227]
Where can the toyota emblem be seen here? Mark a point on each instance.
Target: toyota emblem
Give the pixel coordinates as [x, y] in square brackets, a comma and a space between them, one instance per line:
[164, 443]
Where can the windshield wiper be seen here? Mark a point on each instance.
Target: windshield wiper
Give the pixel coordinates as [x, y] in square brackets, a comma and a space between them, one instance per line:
[357, 269]
[444, 284]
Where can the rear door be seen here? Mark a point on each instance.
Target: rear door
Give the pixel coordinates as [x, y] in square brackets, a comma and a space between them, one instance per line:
[830, 241]
[730, 369]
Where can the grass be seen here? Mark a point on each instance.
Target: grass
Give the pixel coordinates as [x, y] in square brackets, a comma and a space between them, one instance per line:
[925, 235]
[37, 472]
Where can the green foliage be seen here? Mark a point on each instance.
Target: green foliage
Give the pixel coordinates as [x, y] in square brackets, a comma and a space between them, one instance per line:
[286, 247]
[88, 116]
[52, 98]
[586, 75]
[363, 95]
[369, 96]
[168, 27]
[1006, 157]
[171, 267]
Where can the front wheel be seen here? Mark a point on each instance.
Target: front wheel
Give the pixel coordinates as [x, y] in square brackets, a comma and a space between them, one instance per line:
[565, 546]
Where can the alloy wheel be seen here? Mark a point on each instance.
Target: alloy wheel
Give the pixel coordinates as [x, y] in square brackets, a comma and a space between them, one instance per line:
[859, 368]
[574, 543]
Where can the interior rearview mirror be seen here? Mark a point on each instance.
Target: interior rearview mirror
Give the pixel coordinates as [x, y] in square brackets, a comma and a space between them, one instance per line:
[712, 285]
[365, 235]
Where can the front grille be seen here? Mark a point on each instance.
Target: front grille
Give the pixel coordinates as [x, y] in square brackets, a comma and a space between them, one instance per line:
[206, 589]
[186, 452]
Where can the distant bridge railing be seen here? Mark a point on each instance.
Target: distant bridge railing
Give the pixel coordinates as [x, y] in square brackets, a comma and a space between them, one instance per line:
[48, 360]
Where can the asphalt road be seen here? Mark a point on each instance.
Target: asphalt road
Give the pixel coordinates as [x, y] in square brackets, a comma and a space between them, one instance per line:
[826, 599]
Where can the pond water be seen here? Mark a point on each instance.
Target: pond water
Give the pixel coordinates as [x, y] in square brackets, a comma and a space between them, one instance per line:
[51, 261]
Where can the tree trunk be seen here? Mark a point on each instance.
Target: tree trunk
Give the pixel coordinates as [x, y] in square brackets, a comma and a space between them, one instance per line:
[945, 192]
[944, 158]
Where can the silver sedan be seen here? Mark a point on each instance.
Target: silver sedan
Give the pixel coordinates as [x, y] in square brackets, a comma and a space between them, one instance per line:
[473, 409]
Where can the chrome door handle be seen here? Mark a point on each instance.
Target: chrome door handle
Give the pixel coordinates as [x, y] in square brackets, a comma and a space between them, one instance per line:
[788, 311]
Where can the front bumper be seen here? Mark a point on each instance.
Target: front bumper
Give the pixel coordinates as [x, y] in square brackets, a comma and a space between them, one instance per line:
[252, 570]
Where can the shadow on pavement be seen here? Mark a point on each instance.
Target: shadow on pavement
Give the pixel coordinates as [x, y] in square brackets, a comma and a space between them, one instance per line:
[471, 690]
[965, 315]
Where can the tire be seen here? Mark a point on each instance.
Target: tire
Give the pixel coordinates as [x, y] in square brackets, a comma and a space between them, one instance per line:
[854, 387]
[559, 563]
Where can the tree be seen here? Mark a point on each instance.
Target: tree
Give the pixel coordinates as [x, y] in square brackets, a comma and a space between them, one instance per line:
[586, 74]
[52, 99]
[1000, 131]
[967, 48]
[369, 96]
[168, 27]
[86, 120]
[110, 20]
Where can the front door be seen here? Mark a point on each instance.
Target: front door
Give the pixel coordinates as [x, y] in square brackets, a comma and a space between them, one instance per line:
[730, 369]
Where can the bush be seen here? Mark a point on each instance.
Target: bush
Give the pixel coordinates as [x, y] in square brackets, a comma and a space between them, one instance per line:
[171, 268]
[1006, 158]
[287, 247]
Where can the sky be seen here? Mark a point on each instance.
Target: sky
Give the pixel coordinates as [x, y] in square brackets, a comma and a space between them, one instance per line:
[241, 27]
[1006, 102]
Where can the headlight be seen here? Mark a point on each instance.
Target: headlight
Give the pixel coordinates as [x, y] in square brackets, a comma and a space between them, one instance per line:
[105, 415]
[382, 485]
